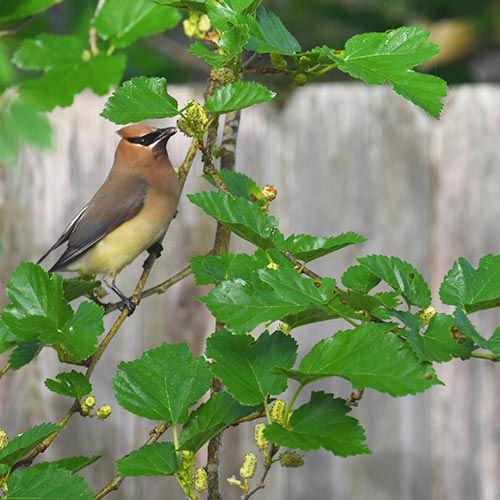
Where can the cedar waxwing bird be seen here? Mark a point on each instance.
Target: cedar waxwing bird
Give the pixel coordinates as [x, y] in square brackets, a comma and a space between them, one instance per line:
[129, 213]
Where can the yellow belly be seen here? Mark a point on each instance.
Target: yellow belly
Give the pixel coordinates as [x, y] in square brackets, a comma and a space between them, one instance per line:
[120, 247]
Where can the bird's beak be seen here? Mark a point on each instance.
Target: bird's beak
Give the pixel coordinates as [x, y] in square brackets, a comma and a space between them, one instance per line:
[166, 133]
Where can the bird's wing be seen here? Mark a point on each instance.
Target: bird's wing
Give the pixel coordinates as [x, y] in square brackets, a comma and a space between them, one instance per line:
[112, 205]
[66, 234]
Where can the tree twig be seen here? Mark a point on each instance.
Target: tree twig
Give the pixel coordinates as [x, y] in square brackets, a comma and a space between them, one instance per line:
[262, 483]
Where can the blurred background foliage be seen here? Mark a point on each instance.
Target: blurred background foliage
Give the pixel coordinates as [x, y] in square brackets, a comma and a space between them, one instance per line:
[468, 34]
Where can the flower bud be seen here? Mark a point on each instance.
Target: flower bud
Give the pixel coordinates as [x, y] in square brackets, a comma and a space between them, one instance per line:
[200, 479]
[278, 61]
[4, 440]
[284, 328]
[260, 440]
[427, 314]
[300, 79]
[204, 23]
[104, 412]
[235, 482]
[269, 192]
[278, 411]
[222, 75]
[273, 266]
[291, 459]
[89, 402]
[249, 466]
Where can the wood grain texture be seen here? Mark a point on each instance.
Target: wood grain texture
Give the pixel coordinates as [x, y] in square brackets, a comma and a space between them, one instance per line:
[343, 157]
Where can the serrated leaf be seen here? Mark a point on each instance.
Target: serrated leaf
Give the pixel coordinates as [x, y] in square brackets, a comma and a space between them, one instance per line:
[321, 423]
[68, 69]
[162, 384]
[212, 417]
[124, 21]
[268, 34]
[22, 444]
[213, 269]
[238, 95]
[73, 384]
[316, 314]
[379, 57]
[215, 59]
[234, 39]
[438, 343]
[464, 324]
[23, 354]
[74, 464]
[472, 289]
[7, 338]
[401, 276]
[240, 216]
[369, 356]
[271, 295]
[77, 287]
[42, 482]
[79, 334]
[34, 292]
[308, 248]
[157, 459]
[243, 363]
[360, 302]
[360, 278]
[138, 99]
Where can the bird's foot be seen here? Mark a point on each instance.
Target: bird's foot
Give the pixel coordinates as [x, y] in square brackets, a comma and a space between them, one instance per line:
[129, 304]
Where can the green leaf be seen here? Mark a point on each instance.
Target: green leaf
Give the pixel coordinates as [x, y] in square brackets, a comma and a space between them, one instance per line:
[401, 276]
[472, 289]
[439, 344]
[68, 69]
[238, 95]
[7, 339]
[124, 21]
[377, 58]
[73, 384]
[307, 248]
[79, 335]
[42, 482]
[243, 363]
[12, 11]
[162, 384]
[494, 342]
[222, 15]
[215, 59]
[74, 464]
[77, 287]
[268, 34]
[368, 356]
[234, 39]
[240, 216]
[34, 292]
[360, 278]
[360, 301]
[194, 5]
[23, 354]
[465, 326]
[22, 444]
[157, 459]
[213, 269]
[271, 295]
[239, 185]
[212, 417]
[321, 423]
[138, 99]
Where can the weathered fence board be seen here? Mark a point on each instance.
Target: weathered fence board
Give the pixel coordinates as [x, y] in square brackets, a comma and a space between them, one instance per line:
[343, 157]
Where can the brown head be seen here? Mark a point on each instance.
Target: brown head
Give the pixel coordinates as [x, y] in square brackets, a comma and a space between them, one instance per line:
[143, 145]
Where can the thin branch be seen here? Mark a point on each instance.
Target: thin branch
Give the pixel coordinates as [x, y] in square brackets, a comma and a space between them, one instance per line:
[184, 169]
[115, 483]
[354, 398]
[262, 483]
[490, 357]
[5, 369]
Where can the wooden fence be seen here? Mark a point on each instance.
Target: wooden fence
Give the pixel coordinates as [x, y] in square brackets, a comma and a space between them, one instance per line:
[343, 157]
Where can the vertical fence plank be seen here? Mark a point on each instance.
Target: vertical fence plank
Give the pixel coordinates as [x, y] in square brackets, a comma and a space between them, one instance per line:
[343, 157]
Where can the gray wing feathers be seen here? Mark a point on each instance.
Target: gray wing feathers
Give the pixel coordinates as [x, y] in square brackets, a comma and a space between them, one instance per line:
[111, 206]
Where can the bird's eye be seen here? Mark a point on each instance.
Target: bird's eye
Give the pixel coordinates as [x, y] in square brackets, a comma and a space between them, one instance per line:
[145, 140]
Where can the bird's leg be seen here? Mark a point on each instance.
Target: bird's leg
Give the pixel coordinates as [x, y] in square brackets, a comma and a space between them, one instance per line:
[156, 249]
[128, 303]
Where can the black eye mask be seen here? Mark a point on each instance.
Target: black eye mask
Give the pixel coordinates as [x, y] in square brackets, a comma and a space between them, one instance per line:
[146, 140]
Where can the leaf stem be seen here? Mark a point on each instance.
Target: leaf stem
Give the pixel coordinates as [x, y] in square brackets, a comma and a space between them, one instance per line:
[4, 369]
[292, 402]
[490, 357]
